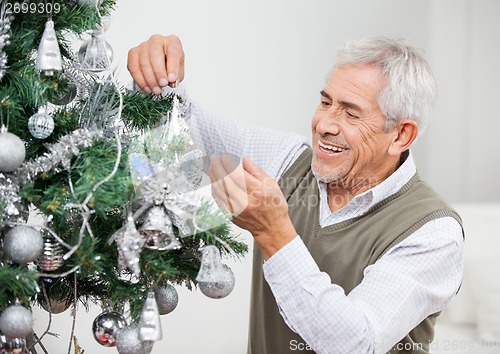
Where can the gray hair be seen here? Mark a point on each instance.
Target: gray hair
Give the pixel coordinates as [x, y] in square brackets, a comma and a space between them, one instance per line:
[411, 90]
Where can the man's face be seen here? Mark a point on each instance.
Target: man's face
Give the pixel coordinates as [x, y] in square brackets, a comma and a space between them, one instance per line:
[349, 142]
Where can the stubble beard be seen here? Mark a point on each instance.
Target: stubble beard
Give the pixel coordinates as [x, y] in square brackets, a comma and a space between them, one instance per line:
[324, 177]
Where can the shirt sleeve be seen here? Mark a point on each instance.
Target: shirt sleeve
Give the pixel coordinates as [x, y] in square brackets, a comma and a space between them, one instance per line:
[415, 279]
[274, 151]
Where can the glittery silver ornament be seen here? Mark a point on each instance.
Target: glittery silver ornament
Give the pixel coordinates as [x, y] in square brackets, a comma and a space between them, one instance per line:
[166, 298]
[52, 256]
[215, 279]
[95, 55]
[41, 124]
[157, 230]
[150, 323]
[128, 342]
[16, 321]
[12, 345]
[23, 244]
[130, 244]
[13, 151]
[49, 58]
[106, 327]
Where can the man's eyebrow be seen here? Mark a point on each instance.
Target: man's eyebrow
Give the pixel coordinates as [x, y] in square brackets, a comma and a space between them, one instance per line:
[342, 103]
[324, 94]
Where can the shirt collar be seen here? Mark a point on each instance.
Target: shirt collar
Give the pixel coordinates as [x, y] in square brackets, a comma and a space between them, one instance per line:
[364, 201]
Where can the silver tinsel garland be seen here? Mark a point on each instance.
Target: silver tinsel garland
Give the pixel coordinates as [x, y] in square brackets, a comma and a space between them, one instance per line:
[59, 155]
[10, 202]
[5, 21]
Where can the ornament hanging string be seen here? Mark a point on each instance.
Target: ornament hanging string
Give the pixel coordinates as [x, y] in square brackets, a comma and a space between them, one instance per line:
[6, 125]
[47, 330]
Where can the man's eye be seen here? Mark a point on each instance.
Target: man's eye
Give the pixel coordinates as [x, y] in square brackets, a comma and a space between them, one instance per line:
[351, 115]
[325, 104]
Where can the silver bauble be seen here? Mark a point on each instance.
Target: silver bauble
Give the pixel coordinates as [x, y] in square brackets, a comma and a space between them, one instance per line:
[167, 298]
[12, 345]
[16, 321]
[52, 255]
[55, 306]
[106, 327]
[13, 151]
[23, 244]
[222, 287]
[41, 124]
[128, 342]
[48, 58]
[95, 54]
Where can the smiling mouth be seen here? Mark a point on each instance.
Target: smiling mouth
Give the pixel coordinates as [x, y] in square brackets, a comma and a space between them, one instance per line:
[332, 148]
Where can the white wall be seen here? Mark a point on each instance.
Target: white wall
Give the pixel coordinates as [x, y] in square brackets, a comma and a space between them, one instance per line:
[265, 61]
[458, 153]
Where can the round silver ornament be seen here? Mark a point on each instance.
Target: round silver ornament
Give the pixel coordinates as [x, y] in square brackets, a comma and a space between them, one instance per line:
[222, 287]
[23, 244]
[12, 345]
[55, 306]
[69, 95]
[128, 342]
[52, 255]
[16, 321]
[106, 327]
[166, 298]
[95, 54]
[41, 124]
[13, 151]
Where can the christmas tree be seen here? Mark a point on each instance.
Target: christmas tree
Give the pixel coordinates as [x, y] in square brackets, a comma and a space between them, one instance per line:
[98, 201]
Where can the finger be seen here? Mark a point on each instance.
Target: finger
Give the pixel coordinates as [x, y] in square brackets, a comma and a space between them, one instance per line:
[134, 68]
[220, 196]
[175, 61]
[218, 169]
[147, 71]
[227, 192]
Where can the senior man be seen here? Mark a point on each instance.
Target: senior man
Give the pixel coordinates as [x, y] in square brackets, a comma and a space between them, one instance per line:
[356, 254]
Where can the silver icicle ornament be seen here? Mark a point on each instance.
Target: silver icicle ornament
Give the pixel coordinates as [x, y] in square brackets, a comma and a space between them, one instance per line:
[49, 59]
[150, 323]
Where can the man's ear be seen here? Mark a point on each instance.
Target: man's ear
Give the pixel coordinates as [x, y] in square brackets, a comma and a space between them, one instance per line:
[405, 134]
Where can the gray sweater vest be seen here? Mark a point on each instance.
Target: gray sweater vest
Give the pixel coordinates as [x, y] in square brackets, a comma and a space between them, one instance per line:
[342, 250]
